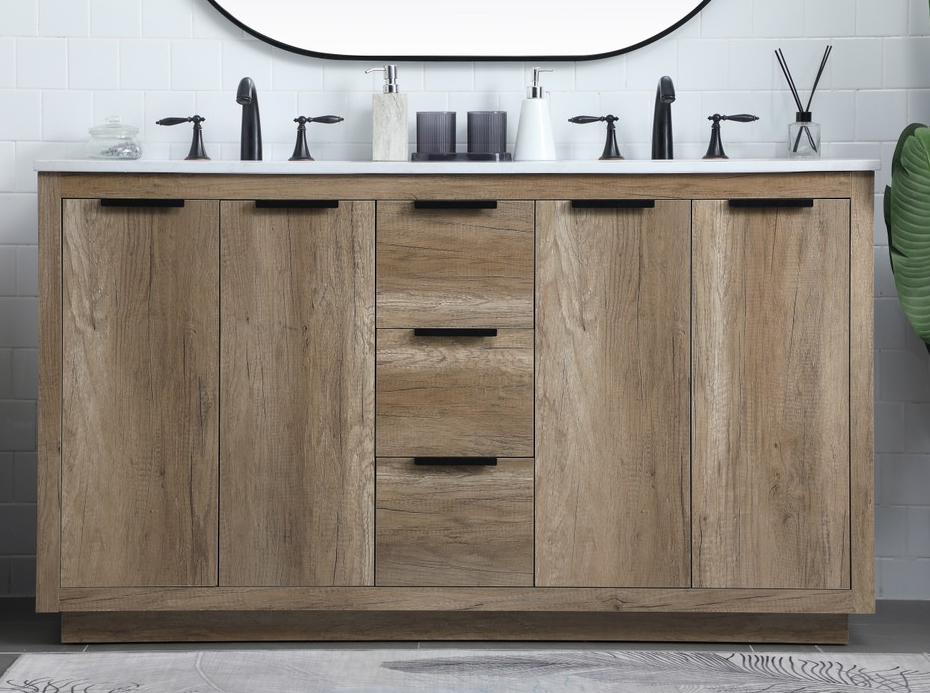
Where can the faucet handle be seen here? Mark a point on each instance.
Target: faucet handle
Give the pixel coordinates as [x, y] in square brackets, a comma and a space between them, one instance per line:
[197, 151]
[301, 150]
[715, 148]
[611, 150]
[326, 119]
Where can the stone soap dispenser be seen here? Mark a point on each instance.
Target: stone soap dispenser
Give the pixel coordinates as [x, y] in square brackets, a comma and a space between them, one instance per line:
[388, 119]
[534, 132]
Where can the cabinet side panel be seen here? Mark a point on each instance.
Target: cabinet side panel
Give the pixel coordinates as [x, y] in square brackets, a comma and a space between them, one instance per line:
[139, 429]
[48, 565]
[297, 434]
[612, 418]
[771, 396]
[862, 393]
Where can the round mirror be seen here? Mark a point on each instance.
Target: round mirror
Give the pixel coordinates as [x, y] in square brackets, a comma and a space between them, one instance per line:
[472, 30]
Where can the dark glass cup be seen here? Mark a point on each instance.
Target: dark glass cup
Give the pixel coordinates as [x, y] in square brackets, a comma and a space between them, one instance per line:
[436, 132]
[487, 132]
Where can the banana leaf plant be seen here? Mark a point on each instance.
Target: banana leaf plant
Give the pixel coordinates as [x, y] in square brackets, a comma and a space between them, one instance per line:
[907, 217]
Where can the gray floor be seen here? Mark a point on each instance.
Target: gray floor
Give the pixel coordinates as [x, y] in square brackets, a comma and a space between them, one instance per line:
[897, 626]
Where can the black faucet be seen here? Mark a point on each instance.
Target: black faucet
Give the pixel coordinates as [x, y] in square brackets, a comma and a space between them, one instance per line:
[250, 143]
[662, 120]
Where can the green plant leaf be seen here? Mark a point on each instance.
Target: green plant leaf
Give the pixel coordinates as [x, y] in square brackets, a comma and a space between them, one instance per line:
[907, 217]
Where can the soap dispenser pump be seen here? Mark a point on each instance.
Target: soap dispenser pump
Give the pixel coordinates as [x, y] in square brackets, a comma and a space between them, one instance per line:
[534, 132]
[389, 135]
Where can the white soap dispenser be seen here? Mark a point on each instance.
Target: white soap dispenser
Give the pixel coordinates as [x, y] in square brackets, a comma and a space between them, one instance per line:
[389, 138]
[534, 132]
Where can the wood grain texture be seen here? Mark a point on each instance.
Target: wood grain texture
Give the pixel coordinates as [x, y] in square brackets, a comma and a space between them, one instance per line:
[48, 548]
[297, 433]
[450, 625]
[612, 421]
[455, 525]
[861, 393]
[455, 268]
[463, 187]
[458, 396]
[561, 599]
[139, 424]
[771, 396]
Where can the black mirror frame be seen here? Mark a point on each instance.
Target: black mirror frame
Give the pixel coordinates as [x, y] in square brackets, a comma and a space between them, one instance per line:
[457, 58]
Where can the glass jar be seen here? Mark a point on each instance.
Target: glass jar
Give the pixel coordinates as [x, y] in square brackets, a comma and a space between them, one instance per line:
[804, 137]
[113, 140]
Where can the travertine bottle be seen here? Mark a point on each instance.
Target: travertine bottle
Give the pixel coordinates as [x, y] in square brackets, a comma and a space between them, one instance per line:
[389, 136]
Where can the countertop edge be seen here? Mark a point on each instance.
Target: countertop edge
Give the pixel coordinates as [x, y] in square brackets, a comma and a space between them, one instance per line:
[729, 166]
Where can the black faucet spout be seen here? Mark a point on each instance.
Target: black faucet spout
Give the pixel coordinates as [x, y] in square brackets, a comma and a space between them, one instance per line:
[662, 146]
[250, 143]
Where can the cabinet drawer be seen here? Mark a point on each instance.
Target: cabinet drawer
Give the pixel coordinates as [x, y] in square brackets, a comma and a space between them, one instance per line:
[454, 395]
[455, 267]
[454, 525]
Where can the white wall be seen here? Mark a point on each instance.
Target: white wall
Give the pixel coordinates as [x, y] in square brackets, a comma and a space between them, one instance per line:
[66, 64]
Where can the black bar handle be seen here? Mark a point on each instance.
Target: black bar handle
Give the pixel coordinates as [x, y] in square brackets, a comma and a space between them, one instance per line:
[455, 332]
[139, 202]
[613, 204]
[455, 204]
[763, 202]
[297, 204]
[455, 461]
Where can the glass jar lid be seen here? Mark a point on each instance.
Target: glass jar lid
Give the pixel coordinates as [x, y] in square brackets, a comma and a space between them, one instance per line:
[113, 127]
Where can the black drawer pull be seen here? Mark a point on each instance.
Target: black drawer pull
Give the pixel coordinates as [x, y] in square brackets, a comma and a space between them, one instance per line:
[297, 204]
[139, 202]
[763, 202]
[613, 204]
[455, 332]
[455, 204]
[455, 461]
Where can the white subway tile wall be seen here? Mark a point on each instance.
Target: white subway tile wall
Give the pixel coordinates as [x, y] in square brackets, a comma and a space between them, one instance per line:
[67, 64]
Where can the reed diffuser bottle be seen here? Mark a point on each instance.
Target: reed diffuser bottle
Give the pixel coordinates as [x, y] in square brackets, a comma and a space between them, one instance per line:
[804, 136]
[803, 133]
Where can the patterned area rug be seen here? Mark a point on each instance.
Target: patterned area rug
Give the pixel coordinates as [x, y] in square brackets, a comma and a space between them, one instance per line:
[466, 671]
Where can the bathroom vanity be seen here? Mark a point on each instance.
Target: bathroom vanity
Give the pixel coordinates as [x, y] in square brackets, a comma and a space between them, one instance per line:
[550, 401]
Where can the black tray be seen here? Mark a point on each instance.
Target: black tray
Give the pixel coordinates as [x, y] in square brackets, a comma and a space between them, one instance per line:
[462, 156]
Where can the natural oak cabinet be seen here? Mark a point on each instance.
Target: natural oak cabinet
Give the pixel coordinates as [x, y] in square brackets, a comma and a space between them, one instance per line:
[592, 406]
[139, 453]
[771, 464]
[297, 406]
[612, 422]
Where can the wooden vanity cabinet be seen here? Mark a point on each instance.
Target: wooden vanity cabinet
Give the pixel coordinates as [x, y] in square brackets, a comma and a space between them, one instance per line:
[612, 423]
[673, 374]
[771, 392]
[297, 386]
[140, 383]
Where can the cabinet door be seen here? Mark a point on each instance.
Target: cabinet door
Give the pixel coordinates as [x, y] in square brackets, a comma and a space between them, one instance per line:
[612, 465]
[139, 421]
[771, 396]
[297, 433]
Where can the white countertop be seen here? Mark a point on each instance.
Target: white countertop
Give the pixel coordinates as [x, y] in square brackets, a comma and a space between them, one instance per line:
[445, 168]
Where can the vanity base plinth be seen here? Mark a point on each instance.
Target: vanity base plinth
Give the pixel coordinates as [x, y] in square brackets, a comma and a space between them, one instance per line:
[239, 626]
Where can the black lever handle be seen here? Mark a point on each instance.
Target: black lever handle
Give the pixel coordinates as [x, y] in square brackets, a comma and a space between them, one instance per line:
[455, 461]
[297, 204]
[739, 118]
[455, 332]
[763, 202]
[326, 119]
[455, 204]
[583, 119]
[139, 202]
[613, 204]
